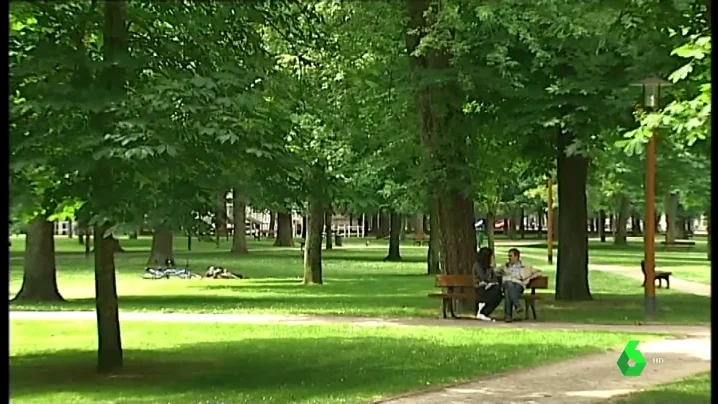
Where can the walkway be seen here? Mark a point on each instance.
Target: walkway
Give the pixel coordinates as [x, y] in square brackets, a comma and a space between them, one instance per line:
[588, 379]
[692, 330]
[680, 285]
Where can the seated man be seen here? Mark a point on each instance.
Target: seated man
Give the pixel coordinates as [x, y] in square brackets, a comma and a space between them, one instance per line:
[515, 276]
[487, 284]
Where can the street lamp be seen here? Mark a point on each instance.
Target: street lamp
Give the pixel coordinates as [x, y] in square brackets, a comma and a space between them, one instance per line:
[651, 88]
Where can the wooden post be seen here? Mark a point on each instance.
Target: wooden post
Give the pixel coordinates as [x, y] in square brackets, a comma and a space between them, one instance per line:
[650, 228]
[549, 221]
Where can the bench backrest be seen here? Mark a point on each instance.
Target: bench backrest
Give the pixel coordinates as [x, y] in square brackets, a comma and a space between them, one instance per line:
[446, 281]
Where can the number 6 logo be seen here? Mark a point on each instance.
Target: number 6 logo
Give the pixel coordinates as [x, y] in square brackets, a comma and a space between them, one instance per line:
[629, 353]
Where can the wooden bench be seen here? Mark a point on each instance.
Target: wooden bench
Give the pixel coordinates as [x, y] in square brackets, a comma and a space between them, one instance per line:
[420, 239]
[450, 282]
[679, 243]
[660, 275]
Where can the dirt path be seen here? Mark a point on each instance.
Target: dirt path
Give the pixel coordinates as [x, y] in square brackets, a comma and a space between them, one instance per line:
[588, 379]
[696, 330]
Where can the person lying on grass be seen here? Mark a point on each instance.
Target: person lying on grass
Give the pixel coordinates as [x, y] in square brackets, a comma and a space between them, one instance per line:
[516, 275]
[221, 273]
[487, 284]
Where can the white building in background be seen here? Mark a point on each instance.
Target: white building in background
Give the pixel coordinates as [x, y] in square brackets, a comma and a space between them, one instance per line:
[260, 220]
[65, 228]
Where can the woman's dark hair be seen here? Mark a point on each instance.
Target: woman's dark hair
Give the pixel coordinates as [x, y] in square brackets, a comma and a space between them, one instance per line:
[484, 257]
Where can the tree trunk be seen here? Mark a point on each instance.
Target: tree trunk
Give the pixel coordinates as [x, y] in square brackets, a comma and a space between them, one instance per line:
[522, 225]
[708, 232]
[221, 216]
[285, 233]
[572, 265]
[272, 223]
[70, 229]
[442, 129]
[313, 246]
[602, 225]
[372, 226]
[434, 254]
[189, 241]
[636, 226]
[624, 207]
[88, 234]
[384, 223]
[81, 236]
[671, 208]
[419, 224]
[680, 228]
[115, 54]
[591, 226]
[394, 236]
[539, 223]
[162, 248]
[39, 280]
[328, 229]
[109, 352]
[239, 215]
[458, 238]
[489, 229]
[510, 227]
[304, 226]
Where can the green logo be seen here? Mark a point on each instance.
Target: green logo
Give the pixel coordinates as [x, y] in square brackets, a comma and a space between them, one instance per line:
[631, 353]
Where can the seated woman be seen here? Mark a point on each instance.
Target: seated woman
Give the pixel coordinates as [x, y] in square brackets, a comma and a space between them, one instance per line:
[487, 284]
[515, 275]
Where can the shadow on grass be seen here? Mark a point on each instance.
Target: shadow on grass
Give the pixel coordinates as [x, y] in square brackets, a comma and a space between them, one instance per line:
[277, 370]
[694, 390]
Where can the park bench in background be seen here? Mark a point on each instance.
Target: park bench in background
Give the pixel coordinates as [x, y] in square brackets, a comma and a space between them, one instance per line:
[450, 282]
[420, 239]
[679, 243]
[660, 275]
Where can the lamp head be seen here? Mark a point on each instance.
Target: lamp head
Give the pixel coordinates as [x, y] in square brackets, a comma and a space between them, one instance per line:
[652, 90]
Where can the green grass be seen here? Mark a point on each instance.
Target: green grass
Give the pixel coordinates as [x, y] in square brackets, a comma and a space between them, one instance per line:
[689, 263]
[693, 390]
[53, 361]
[357, 283]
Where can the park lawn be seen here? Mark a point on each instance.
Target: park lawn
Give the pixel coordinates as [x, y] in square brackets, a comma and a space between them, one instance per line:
[688, 263]
[53, 361]
[692, 390]
[357, 283]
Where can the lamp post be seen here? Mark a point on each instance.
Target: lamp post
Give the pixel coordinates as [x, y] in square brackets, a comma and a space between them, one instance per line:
[651, 88]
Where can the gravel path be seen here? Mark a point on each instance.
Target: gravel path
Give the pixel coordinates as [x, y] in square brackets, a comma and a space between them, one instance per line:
[583, 380]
